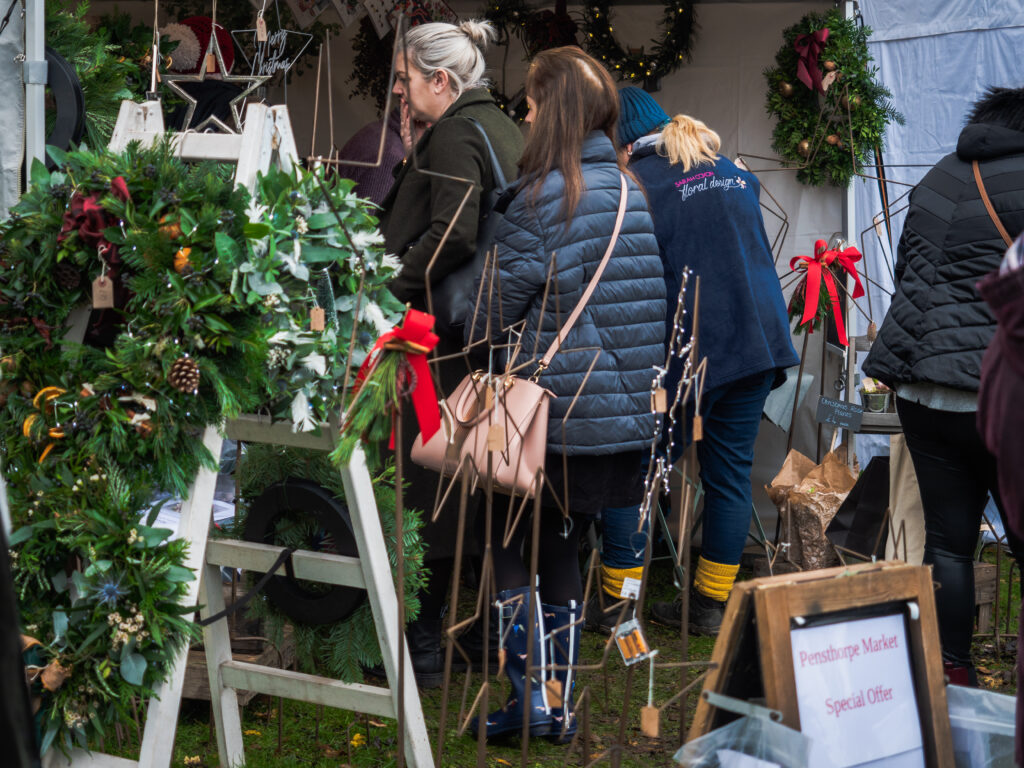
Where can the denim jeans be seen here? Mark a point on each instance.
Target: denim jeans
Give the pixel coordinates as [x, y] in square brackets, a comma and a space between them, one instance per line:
[732, 416]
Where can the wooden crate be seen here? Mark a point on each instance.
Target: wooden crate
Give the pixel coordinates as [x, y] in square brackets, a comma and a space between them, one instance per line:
[245, 646]
[986, 592]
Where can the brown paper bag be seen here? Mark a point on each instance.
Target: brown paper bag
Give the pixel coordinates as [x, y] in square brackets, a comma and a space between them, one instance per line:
[808, 495]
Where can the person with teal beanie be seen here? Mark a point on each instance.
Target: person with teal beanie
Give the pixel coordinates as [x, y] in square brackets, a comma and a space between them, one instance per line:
[707, 218]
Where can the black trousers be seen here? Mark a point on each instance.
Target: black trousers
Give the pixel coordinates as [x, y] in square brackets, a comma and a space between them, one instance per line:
[956, 474]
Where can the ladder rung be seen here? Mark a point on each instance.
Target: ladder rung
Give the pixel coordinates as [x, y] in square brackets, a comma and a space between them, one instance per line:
[356, 697]
[311, 566]
[252, 429]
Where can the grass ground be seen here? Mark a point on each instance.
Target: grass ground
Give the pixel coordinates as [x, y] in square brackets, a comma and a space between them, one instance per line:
[286, 734]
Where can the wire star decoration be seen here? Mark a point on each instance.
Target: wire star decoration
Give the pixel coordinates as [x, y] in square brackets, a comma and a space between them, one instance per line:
[174, 81]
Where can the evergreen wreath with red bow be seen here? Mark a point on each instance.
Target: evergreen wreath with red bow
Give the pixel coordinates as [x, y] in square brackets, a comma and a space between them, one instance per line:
[832, 112]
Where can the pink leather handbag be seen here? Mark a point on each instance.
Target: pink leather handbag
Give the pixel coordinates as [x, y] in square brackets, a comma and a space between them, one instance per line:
[504, 418]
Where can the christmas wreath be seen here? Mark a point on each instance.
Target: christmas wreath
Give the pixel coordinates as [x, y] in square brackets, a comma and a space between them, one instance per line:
[201, 303]
[338, 649]
[832, 112]
[668, 53]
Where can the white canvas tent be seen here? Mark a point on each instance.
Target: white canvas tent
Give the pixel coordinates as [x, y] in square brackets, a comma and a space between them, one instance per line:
[935, 57]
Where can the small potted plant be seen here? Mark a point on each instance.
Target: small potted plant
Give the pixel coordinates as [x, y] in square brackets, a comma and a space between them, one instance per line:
[875, 396]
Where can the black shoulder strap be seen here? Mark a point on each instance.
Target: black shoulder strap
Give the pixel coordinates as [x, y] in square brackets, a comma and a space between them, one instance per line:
[499, 175]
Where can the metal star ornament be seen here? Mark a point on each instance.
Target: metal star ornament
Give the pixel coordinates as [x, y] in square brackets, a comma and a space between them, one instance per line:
[174, 81]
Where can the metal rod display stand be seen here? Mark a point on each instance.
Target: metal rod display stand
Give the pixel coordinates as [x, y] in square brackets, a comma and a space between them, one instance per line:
[266, 139]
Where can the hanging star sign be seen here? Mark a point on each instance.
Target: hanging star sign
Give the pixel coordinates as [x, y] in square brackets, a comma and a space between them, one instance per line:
[272, 54]
[175, 81]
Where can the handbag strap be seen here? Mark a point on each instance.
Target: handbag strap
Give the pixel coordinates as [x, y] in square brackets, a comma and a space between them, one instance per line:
[988, 204]
[578, 309]
[499, 175]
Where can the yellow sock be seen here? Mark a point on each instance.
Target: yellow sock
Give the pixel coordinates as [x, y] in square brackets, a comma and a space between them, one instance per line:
[715, 580]
[612, 578]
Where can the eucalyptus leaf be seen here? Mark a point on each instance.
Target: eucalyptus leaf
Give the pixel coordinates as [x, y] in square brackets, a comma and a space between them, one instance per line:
[151, 537]
[264, 287]
[133, 668]
[22, 534]
[60, 624]
[179, 574]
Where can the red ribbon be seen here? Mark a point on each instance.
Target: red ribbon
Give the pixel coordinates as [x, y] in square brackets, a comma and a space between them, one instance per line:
[809, 47]
[416, 338]
[818, 268]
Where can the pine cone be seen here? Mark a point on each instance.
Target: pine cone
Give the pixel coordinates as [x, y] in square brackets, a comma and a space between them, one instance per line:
[184, 375]
[68, 277]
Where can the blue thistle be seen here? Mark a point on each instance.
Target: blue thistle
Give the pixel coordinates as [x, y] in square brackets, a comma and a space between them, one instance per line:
[109, 590]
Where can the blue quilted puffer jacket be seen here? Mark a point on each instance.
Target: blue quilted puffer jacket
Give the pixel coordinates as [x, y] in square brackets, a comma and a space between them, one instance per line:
[623, 324]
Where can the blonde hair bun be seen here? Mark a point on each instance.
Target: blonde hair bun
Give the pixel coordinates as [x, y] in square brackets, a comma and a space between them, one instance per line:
[480, 33]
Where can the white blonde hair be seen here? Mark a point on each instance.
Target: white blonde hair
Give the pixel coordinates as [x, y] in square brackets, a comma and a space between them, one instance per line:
[455, 49]
[688, 141]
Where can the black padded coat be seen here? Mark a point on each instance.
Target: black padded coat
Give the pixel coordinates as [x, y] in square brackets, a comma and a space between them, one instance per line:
[938, 326]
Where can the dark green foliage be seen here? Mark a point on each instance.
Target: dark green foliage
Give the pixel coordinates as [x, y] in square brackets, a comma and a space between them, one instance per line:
[104, 69]
[336, 650]
[807, 116]
[92, 432]
[669, 52]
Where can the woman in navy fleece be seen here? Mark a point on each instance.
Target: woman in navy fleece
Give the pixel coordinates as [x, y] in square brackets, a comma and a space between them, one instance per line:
[707, 217]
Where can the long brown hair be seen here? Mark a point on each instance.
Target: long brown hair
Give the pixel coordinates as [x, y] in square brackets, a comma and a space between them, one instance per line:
[574, 95]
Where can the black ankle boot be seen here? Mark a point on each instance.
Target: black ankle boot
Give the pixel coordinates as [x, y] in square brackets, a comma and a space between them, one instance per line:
[472, 643]
[423, 637]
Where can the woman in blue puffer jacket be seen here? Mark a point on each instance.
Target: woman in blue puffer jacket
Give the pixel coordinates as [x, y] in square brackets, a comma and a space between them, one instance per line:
[558, 219]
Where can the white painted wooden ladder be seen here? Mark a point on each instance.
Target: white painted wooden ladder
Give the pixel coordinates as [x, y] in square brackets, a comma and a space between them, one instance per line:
[266, 139]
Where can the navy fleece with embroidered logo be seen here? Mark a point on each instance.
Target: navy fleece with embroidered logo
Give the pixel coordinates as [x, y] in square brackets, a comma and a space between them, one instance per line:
[709, 219]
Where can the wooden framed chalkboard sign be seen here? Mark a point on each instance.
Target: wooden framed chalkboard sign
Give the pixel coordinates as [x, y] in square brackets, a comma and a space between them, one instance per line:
[850, 656]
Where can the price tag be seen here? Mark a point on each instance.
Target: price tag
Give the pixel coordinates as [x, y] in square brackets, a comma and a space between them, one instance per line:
[316, 319]
[698, 429]
[650, 722]
[553, 692]
[659, 400]
[261, 29]
[496, 438]
[211, 63]
[630, 588]
[102, 293]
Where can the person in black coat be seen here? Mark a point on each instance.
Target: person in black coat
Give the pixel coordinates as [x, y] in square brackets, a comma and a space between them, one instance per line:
[930, 346]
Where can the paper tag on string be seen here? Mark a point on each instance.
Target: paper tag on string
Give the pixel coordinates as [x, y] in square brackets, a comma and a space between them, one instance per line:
[316, 319]
[211, 63]
[261, 29]
[496, 438]
[650, 722]
[878, 225]
[659, 400]
[102, 293]
[698, 429]
[630, 588]
[553, 692]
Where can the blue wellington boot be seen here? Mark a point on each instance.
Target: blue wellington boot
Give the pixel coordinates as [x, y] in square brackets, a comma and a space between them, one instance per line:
[563, 643]
[516, 621]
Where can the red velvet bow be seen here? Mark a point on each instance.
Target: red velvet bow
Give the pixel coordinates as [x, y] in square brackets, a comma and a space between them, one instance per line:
[415, 337]
[809, 47]
[817, 268]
